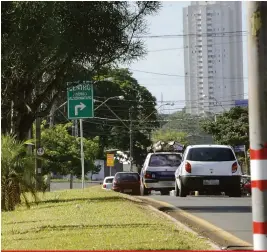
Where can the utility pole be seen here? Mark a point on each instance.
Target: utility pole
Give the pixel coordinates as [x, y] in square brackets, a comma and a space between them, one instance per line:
[131, 139]
[38, 162]
[76, 128]
[257, 87]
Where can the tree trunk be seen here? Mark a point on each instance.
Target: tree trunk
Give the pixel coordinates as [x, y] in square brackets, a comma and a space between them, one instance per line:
[71, 180]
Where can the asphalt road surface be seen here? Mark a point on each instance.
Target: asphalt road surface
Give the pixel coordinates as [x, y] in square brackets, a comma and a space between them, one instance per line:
[56, 186]
[230, 214]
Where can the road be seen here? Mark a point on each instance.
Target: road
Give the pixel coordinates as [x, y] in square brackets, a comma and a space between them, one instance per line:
[230, 214]
[55, 186]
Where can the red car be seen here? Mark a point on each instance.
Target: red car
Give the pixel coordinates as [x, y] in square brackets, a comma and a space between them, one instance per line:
[246, 185]
[127, 182]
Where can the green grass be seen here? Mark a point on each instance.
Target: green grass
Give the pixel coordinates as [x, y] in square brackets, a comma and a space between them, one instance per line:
[92, 219]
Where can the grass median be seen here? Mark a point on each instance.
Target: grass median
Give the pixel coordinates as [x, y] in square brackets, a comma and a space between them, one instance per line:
[92, 219]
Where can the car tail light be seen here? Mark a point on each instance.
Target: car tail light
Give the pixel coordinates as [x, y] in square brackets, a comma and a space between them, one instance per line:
[148, 174]
[104, 186]
[188, 167]
[234, 167]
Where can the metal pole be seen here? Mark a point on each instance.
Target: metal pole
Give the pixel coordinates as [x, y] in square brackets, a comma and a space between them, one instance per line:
[76, 128]
[38, 162]
[110, 171]
[246, 160]
[82, 153]
[257, 85]
[131, 141]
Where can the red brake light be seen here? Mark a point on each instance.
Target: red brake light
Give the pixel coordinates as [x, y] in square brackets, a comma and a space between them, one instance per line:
[188, 167]
[234, 167]
[104, 185]
[148, 174]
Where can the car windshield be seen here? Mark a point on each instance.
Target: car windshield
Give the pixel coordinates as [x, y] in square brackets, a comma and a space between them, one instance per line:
[133, 177]
[109, 180]
[210, 154]
[157, 160]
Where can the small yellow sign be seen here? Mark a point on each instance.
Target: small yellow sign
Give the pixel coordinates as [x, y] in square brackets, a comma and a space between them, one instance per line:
[110, 160]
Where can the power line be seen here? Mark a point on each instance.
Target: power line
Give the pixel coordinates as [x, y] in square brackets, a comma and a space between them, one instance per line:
[196, 46]
[189, 76]
[208, 34]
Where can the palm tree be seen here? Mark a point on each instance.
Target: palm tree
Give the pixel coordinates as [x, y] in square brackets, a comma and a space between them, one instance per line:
[17, 173]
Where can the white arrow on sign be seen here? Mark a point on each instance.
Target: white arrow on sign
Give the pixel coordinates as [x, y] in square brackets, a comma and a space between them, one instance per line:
[81, 107]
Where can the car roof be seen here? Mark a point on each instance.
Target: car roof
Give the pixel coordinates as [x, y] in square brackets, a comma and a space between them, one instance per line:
[110, 177]
[170, 152]
[209, 145]
[127, 172]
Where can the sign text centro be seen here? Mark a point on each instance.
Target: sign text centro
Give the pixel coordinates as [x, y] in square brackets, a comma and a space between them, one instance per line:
[80, 100]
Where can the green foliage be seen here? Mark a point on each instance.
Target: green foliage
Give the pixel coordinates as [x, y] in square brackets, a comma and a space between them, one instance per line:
[169, 135]
[46, 43]
[137, 100]
[230, 128]
[17, 172]
[62, 151]
[190, 124]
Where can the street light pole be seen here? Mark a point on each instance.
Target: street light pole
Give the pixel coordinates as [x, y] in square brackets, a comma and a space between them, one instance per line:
[131, 140]
[257, 86]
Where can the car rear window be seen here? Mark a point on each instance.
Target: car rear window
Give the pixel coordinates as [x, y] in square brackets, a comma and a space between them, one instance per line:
[127, 177]
[210, 154]
[110, 180]
[157, 160]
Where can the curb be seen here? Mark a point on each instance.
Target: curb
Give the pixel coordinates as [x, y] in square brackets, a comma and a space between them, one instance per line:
[184, 227]
[200, 226]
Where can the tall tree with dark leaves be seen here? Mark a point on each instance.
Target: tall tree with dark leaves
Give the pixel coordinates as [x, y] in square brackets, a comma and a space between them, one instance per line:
[43, 42]
[230, 128]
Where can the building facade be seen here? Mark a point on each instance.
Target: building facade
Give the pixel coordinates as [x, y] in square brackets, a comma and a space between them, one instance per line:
[213, 56]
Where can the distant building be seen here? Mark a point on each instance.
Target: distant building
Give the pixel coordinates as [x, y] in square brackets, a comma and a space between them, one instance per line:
[213, 56]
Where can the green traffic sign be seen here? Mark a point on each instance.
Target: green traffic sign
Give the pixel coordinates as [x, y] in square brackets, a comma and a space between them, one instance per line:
[80, 100]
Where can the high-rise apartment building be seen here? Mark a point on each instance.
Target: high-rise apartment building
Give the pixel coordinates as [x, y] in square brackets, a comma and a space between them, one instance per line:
[213, 56]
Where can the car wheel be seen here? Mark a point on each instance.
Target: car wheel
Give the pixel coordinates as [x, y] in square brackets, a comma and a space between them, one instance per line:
[143, 190]
[182, 191]
[176, 190]
[164, 192]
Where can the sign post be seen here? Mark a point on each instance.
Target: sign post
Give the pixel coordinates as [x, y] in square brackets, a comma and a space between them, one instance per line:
[80, 106]
[110, 162]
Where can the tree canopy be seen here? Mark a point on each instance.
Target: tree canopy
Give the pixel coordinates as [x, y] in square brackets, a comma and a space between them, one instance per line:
[170, 135]
[62, 151]
[44, 45]
[230, 128]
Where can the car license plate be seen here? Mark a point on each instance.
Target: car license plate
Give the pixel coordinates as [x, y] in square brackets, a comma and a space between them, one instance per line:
[211, 182]
[167, 173]
[127, 190]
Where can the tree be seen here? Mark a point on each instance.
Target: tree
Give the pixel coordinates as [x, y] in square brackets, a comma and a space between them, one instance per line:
[62, 151]
[230, 128]
[169, 135]
[137, 100]
[17, 173]
[45, 43]
[191, 124]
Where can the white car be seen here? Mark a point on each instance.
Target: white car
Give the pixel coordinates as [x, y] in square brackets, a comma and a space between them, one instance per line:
[158, 171]
[208, 168]
[107, 183]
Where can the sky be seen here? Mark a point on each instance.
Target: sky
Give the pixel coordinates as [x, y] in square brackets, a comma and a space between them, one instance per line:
[169, 20]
